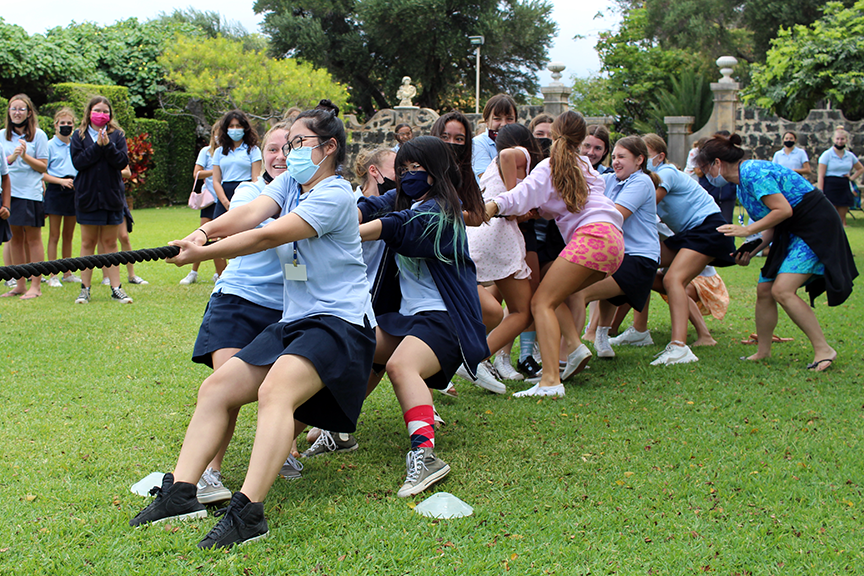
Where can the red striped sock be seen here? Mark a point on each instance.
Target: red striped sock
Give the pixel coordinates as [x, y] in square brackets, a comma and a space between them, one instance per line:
[420, 421]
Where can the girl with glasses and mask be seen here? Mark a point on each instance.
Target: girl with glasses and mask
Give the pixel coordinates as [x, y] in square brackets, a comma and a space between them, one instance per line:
[25, 149]
[236, 160]
[314, 363]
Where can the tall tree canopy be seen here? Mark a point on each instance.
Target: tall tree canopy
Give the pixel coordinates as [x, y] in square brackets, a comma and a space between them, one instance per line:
[371, 44]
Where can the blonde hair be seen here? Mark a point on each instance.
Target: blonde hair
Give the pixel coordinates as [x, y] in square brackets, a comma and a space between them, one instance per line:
[64, 111]
[214, 137]
[568, 132]
[282, 125]
[840, 130]
[366, 158]
[656, 143]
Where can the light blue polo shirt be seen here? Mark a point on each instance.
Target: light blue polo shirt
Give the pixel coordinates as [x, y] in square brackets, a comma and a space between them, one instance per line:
[794, 160]
[637, 195]
[838, 166]
[4, 167]
[336, 284]
[236, 166]
[26, 183]
[60, 159]
[686, 204]
[205, 160]
[483, 151]
[254, 277]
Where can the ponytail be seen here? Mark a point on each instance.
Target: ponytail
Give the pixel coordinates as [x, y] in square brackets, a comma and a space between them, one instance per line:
[568, 179]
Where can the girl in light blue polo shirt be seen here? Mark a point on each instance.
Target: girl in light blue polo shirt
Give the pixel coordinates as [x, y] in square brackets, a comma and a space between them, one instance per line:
[60, 192]
[499, 111]
[237, 159]
[791, 156]
[25, 148]
[838, 167]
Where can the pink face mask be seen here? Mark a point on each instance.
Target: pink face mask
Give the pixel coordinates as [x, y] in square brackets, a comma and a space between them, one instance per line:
[99, 119]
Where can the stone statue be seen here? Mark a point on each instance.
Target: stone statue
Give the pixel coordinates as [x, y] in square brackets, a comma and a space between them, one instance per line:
[406, 92]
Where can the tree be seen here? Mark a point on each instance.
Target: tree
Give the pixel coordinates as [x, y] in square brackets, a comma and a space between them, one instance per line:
[371, 44]
[219, 68]
[807, 64]
[689, 95]
[213, 25]
[593, 96]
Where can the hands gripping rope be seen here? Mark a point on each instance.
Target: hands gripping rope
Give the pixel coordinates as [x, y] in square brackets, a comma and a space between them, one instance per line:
[85, 262]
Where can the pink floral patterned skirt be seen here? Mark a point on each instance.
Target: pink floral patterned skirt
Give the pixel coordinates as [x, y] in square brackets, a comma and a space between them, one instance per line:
[598, 246]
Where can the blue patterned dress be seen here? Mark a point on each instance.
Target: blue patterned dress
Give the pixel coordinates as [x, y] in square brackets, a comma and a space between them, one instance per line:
[760, 178]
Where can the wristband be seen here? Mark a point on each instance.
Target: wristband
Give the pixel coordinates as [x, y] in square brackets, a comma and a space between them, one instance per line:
[206, 236]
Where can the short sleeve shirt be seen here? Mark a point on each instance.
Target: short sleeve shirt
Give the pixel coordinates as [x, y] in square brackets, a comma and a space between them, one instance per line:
[759, 178]
[794, 160]
[60, 159]
[483, 151]
[236, 166]
[838, 166]
[26, 183]
[637, 194]
[205, 160]
[686, 204]
[336, 283]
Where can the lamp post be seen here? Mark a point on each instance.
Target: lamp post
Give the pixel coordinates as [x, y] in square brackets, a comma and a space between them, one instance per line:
[477, 41]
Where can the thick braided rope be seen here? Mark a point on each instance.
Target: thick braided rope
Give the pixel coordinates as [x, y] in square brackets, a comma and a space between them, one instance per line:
[85, 262]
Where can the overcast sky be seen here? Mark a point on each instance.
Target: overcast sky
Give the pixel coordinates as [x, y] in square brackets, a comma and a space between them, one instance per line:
[574, 17]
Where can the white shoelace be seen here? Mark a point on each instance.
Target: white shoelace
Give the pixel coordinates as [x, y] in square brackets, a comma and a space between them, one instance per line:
[324, 439]
[415, 464]
[294, 463]
[212, 477]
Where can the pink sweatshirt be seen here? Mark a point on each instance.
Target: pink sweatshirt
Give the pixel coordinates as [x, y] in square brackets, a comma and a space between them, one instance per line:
[536, 191]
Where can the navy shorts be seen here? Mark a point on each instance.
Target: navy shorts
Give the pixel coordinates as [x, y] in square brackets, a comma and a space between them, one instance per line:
[706, 240]
[59, 201]
[208, 211]
[342, 355]
[100, 217]
[26, 213]
[228, 188]
[635, 277]
[230, 322]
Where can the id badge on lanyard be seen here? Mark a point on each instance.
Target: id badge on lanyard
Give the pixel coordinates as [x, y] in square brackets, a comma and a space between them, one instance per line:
[294, 270]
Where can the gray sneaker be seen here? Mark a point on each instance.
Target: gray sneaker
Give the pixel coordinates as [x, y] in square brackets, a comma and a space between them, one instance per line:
[291, 469]
[118, 295]
[72, 278]
[331, 442]
[83, 297]
[211, 489]
[423, 470]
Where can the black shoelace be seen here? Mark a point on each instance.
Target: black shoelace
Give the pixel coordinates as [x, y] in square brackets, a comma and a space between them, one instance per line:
[225, 524]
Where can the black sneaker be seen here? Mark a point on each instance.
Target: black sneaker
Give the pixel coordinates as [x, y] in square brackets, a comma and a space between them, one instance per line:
[529, 367]
[174, 501]
[243, 522]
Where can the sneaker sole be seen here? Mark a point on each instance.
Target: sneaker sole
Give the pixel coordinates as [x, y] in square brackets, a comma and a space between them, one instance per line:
[604, 354]
[254, 538]
[215, 497]
[491, 387]
[182, 517]
[578, 369]
[427, 482]
[682, 361]
[637, 344]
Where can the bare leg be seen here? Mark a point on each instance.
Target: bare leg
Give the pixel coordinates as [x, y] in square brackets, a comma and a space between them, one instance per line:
[36, 253]
[684, 266]
[703, 336]
[517, 294]
[591, 332]
[219, 358]
[842, 211]
[126, 245]
[493, 314]
[107, 245]
[411, 362]
[54, 223]
[784, 292]
[16, 257]
[89, 241]
[766, 319]
[621, 313]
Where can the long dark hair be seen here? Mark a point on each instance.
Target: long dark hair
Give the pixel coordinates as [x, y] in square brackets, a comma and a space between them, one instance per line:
[513, 135]
[469, 190]
[112, 125]
[324, 122]
[728, 149]
[250, 135]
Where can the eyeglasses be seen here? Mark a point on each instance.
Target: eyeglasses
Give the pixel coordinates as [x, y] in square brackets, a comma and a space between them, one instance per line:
[295, 144]
[21, 110]
[402, 170]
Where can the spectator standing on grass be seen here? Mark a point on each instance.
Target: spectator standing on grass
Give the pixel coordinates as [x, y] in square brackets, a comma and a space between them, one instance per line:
[236, 160]
[25, 148]
[838, 167]
[60, 192]
[791, 156]
[5, 200]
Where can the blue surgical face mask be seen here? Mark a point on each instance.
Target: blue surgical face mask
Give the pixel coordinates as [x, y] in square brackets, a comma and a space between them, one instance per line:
[650, 164]
[236, 134]
[414, 184]
[716, 181]
[300, 166]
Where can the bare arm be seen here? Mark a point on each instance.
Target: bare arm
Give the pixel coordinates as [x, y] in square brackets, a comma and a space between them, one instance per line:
[65, 182]
[805, 169]
[200, 173]
[217, 187]
[820, 178]
[857, 170]
[661, 194]
[513, 165]
[256, 170]
[238, 220]
[780, 211]
[5, 197]
[370, 231]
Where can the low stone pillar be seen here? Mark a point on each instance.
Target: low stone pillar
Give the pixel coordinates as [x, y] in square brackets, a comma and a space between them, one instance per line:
[678, 128]
[725, 101]
[556, 96]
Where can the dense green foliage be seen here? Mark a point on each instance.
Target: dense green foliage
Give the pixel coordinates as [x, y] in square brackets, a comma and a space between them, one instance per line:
[689, 95]
[211, 24]
[371, 44]
[809, 64]
[76, 96]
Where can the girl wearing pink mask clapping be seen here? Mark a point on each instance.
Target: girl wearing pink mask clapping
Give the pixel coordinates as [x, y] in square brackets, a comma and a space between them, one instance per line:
[99, 154]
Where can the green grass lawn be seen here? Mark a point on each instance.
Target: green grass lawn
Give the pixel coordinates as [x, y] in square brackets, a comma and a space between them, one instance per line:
[719, 466]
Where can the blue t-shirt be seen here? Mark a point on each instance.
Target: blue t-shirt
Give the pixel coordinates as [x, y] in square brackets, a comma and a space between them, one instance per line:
[26, 182]
[686, 204]
[60, 159]
[637, 194]
[759, 178]
[236, 166]
[794, 160]
[205, 160]
[483, 151]
[838, 166]
[336, 284]
[254, 277]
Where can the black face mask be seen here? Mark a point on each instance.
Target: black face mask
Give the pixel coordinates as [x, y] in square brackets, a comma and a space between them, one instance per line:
[458, 149]
[493, 134]
[789, 143]
[19, 124]
[267, 177]
[65, 130]
[545, 146]
[839, 146]
[386, 186]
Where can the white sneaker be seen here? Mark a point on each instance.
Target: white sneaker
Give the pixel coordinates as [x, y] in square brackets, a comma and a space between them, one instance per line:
[576, 361]
[72, 278]
[674, 355]
[484, 378]
[106, 281]
[536, 354]
[538, 390]
[436, 416]
[601, 343]
[291, 469]
[137, 280]
[54, 282]
[632, 337]
[12, 283]
[190, 278]
[504, 369]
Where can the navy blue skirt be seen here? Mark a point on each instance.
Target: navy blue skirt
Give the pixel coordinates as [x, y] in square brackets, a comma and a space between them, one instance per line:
[635, 277]
[26, 213]
[706, 240]
[100, 217]
[228, 188]
[342, 355]
[209, 211]
[230, 322]
[5, 232]
[838, 190]
[436, 330]
[59, 201]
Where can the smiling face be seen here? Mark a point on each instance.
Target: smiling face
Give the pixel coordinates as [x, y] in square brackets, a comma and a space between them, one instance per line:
[18, 111]
[404, 134]
[625, 163]
[839, 140]
[496, 121]
[594, 149]
[274, 158]
[454, 133]
[544, 130]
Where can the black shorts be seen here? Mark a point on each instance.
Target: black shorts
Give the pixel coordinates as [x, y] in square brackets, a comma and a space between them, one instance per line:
[100, 218]
[436, 330]
[230, 322]
[548, 250]
[635, 277]
[228, 188]
[838, 190]
[706, 240]
[530, 236]
[342, 355]
[5, 232]
[26, 213]
[59, 201]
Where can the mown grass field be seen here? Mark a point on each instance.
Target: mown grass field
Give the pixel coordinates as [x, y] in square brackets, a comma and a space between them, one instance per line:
[715, 467]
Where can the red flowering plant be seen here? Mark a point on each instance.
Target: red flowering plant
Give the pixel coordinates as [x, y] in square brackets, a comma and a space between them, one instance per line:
[140, 156]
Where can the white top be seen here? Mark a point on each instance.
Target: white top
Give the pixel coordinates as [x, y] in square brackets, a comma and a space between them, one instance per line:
[837, 165]
[254, 277]
[236, 166]
[536, 191]
[60, 159]
[336, 284]
[637, 194]
[205, 160]
[26, 182]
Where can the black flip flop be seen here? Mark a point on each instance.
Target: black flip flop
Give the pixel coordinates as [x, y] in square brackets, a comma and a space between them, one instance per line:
[818, 362]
